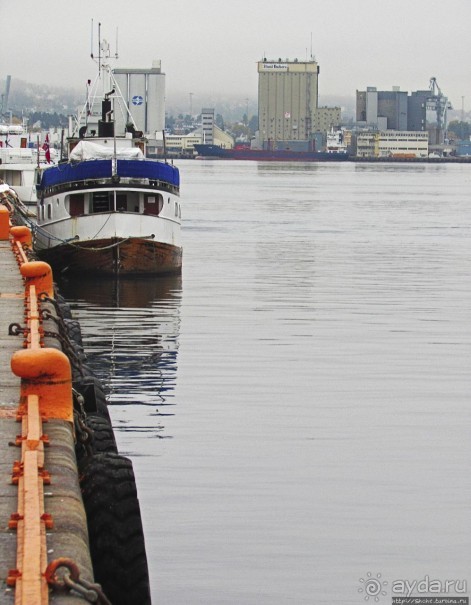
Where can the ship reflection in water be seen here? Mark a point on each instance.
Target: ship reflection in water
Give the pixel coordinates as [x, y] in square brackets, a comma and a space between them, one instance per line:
[130, 329]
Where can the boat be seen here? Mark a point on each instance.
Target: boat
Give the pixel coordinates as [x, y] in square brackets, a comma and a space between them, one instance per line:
[276, 155]
[108, 209]
[21, 165]
[20, 214]
[336, 142]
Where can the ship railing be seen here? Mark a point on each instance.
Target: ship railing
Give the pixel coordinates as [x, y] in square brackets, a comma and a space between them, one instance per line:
[111, 182]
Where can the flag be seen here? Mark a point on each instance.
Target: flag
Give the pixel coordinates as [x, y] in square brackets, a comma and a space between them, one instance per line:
[47, 152]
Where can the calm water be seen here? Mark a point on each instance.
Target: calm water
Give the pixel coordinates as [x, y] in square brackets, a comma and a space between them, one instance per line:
[297, 407]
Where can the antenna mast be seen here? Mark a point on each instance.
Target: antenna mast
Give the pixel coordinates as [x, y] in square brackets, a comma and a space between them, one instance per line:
[104, 80]
[99, 48]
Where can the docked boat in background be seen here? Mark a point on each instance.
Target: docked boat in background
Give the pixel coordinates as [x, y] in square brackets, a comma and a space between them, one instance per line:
[21, 164]
[336, 142]
[242, 152]
[109, 210]
[20, 214]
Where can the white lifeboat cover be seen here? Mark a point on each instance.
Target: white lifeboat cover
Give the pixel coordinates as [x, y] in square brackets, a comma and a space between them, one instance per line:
[85, 150]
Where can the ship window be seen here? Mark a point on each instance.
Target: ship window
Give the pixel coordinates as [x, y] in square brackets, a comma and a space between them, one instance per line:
[13, 178]
[176, 209]
[76, 204]
[153, 204]
[101, 201]
[49, 211]
[127, 202]
[121, 202]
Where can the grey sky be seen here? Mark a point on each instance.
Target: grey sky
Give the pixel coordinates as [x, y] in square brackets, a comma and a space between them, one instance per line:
[212, 46]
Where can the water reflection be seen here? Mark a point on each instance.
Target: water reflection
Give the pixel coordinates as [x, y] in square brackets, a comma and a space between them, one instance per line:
[123, 292]
[130, 331]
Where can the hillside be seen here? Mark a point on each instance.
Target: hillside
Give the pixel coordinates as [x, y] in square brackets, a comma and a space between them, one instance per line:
[26, 98]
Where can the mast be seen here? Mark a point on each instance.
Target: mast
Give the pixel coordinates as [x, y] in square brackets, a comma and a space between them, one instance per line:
[98, 91]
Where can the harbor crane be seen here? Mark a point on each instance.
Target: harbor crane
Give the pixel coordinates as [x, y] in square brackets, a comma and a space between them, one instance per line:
[439, 103]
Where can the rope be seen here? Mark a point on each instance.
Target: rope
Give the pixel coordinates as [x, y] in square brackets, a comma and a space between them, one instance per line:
[36, 228]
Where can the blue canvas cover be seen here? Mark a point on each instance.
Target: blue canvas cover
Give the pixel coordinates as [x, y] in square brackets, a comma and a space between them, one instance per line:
[149, 169]
[101, 169]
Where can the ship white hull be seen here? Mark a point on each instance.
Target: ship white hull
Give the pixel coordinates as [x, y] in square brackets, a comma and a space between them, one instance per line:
[112, 243]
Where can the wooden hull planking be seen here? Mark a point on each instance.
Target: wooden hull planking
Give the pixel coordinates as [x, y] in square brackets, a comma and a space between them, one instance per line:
[133, 256]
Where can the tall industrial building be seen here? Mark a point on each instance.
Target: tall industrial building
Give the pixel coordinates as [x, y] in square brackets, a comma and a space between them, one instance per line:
[385, 110]
[417, 110]
[143, 91]
[396, 110]
[421, 111]
[287, 103]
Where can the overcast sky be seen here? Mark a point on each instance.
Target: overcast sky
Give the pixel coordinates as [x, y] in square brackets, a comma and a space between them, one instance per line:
[212, 46]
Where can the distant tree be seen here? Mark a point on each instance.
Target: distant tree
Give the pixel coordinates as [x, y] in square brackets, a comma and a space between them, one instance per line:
[169, 122]
[239, 131]
[48, 120]
[461, 129]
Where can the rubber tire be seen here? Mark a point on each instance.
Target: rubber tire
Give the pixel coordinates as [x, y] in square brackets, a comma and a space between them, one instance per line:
[64, 310]
[103, 436]
[63, 306]
[79, 351]
[74, 331]
[80, 385]
[115, 529]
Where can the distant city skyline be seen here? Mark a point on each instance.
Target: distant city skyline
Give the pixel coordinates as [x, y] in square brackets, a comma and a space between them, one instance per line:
[212, 48]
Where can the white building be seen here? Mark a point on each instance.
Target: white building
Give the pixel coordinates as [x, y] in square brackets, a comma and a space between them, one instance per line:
[392, 143]
[184, 143]
[207, 125]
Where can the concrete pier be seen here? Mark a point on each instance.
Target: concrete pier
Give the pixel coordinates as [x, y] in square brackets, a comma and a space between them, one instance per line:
[62, 498]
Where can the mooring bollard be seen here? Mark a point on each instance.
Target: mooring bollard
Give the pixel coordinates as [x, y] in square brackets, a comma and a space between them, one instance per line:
[4, 223]
[47, 374]
[23, 235]
[39, 274]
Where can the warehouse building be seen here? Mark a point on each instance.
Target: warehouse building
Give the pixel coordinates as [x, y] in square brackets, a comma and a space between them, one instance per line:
[384, 110]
